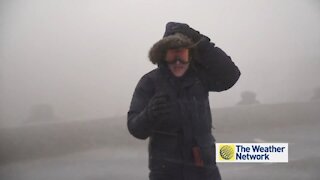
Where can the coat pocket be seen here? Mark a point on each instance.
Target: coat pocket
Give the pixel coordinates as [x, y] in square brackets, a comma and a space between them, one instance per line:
[165, 145]
[207, 147]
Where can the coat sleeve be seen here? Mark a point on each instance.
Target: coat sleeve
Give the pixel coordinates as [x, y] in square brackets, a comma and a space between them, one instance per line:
[217, 70]
[137, 119]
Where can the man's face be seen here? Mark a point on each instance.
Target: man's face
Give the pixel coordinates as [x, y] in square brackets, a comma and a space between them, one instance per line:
[178, 61]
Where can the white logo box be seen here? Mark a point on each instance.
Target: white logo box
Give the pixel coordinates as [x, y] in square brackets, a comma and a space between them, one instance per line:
[252, 152]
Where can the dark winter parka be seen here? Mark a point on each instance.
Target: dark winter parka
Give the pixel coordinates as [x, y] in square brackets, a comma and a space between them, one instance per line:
[189, 124]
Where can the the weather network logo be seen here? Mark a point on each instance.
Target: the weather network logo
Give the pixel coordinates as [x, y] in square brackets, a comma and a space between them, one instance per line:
[252, 152]
[226, 152]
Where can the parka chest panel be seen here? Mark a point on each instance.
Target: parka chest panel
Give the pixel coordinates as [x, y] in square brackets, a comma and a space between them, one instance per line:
[190, 104]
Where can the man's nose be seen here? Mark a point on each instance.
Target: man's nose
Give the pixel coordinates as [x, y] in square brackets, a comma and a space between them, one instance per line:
[178, 60]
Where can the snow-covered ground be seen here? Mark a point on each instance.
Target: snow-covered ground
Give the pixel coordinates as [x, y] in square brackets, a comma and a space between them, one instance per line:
[113, 162]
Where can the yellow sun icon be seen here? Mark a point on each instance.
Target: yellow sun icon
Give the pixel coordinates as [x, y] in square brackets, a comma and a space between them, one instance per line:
[227, 152]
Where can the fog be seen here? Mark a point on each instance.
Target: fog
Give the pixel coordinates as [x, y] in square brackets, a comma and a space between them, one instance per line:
[65, 61]
[84, 58]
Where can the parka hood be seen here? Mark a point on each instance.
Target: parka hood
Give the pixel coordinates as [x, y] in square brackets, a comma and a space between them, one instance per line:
[158, 50]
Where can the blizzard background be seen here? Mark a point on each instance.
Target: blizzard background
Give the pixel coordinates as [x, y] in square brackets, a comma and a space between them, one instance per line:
[68, 70]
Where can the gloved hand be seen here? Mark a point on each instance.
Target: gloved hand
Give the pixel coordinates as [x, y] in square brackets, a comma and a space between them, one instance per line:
[175, 27]
[159, 108]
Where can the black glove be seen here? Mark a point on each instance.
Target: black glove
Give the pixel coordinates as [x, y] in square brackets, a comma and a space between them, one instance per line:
[159, 108]
[174, 27]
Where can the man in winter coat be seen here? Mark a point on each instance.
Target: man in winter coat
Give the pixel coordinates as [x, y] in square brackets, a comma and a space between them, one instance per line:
[170, 104]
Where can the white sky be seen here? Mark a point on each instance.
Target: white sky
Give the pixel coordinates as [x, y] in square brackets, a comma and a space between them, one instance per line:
[84, 58]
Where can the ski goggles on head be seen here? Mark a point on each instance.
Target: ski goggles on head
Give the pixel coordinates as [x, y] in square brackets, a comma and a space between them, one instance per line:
[174, 55]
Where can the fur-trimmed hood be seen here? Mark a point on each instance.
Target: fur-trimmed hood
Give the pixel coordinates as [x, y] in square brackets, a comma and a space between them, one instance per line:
[158, 50]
